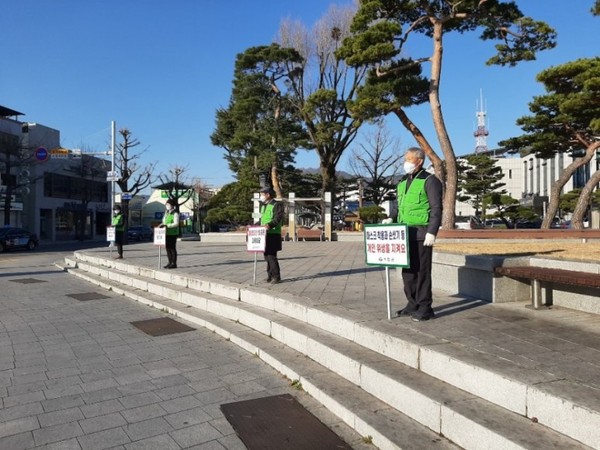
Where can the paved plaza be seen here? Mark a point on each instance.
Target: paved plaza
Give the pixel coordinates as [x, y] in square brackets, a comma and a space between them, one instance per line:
[76, 374]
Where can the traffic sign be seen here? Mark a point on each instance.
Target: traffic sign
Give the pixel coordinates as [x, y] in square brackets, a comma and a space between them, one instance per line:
[126, 196]
[59, 153]
[41, 154]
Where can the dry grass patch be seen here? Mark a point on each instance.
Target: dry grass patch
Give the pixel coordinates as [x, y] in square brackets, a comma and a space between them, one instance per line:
[552, 250]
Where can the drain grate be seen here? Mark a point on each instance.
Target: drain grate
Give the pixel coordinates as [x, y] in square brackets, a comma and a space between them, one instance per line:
[161, 327]
[274, 423]
[85, 296]
[27, 280]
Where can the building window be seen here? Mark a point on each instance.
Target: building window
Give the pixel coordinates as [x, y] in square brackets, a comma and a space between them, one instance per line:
[74, 188]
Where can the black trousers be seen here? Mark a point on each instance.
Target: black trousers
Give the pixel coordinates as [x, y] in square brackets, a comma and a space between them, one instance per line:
[119, 242]
[417, 278]
[273, 245]
[171, 247]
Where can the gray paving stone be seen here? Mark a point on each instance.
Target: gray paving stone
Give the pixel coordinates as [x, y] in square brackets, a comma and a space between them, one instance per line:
[188, 417]
[22, 399]
[16, 412]
[56, 404]
[99, 423]
[163, 442]
[69, 444]
[196, 434]
[17, 441]
[180, 404]
[57, 433]
[101, 395]
[101, 408]
[144, 413]
[17, 426]
[147, 428]
[135, 400]
[211, 445]
[104, 439]
[59, 417]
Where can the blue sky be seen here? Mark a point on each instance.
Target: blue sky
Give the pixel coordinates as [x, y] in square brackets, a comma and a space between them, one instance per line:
[162, 68]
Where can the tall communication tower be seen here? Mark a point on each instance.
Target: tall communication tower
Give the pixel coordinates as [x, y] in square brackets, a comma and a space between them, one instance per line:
[482, 132]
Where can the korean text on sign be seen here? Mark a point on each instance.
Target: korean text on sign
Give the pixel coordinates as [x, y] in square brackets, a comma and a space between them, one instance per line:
[256, 239]
[387, 245]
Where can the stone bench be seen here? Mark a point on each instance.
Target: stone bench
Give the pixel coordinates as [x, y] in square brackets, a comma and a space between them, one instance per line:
[547, 277]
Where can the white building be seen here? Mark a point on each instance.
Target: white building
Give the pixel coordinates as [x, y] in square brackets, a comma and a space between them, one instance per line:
[529, 179]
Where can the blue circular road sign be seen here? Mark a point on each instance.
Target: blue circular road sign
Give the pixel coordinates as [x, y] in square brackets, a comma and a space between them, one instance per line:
[41, 154]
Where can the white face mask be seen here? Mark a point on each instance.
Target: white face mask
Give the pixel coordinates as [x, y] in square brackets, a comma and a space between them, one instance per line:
[409, 167]
[263, 199]
[116, 211]
[169, 208]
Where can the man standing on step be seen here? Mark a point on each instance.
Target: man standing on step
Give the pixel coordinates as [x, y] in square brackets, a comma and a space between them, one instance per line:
[118, 222]
[171, 223]
[271, 216]
[419, 207]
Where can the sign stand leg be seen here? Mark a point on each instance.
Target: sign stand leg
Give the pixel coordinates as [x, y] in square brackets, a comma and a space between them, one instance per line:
[254, 274]
[387, 292]
[159, 253]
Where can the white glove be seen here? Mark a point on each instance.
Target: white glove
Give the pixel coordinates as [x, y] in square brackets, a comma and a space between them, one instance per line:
[429, 240]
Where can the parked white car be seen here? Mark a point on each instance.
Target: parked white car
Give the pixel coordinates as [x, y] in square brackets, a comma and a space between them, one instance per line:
[467, 223]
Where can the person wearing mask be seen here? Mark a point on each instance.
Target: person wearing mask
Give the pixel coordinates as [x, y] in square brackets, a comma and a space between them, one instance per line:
[271, 216]
[118, 222]
[171, 223]
[419, 207]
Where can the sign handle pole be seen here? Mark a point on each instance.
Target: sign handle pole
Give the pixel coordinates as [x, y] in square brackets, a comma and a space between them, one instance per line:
[254, 274]
[387, 292]
[159, 254]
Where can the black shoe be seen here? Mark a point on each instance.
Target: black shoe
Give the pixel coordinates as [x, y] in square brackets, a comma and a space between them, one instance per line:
[168, 266]
[269, 279]
[276, 281]
[172, 266]
[418, 317]
[406, 311]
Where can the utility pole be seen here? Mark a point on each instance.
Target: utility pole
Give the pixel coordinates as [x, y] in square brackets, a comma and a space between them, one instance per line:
[112, 164]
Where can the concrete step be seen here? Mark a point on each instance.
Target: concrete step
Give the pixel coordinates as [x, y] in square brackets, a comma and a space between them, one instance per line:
[369, 416]
[546, 396]
[331, 340]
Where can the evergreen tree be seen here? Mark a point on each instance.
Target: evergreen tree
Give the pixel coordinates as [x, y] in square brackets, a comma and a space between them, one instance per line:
[481, 178]
[566, 119]
[381, 31]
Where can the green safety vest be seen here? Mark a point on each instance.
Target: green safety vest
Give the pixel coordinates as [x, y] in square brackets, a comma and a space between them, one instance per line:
[266, 217]
[413, 205]
[169, 219]
[117, 222]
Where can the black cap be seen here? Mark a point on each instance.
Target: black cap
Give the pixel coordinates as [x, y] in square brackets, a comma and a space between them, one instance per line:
[268, 190]
[117, 207]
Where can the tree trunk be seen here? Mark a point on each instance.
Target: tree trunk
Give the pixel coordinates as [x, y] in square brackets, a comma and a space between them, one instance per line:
[564, 177]
[584, 201]
[275, 181]
[451, 181]
[586, 193]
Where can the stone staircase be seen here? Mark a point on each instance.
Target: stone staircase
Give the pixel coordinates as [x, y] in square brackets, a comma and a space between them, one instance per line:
[402, 388]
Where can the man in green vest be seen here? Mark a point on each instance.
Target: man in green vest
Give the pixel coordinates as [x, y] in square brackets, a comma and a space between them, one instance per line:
[419, 207]
[271, 216]
[171, 223]
[118, 222]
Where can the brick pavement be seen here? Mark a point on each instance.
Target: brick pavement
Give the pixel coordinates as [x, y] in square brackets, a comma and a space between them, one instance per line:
[77, 375]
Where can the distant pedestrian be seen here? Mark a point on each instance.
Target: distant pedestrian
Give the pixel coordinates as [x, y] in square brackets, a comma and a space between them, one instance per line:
[171, 223]
[118, 222]
[419, 207]
[271, 216]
